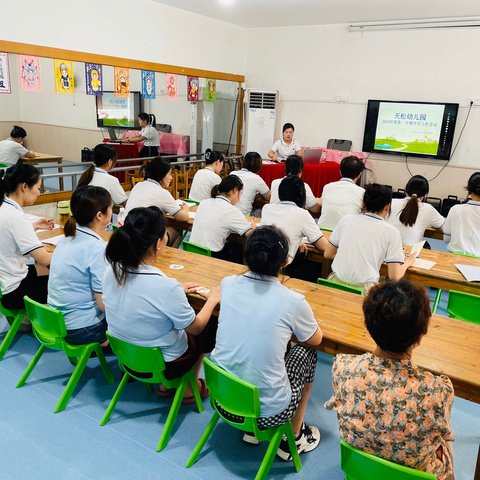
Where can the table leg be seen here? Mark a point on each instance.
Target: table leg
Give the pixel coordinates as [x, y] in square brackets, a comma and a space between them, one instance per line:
[60, 179]
[476, 476]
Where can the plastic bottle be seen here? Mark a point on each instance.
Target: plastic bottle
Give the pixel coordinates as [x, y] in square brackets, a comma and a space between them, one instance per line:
[121, 217]
[64, 211]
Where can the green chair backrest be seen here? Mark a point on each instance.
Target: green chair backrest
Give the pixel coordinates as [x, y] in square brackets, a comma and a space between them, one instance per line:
[48, 324]
[339, 286]
[147, 362]
[326, 229]
[464, 306]
[193, 247]
[466, 255]
[359, 465]
[233, 394]
[190, 200]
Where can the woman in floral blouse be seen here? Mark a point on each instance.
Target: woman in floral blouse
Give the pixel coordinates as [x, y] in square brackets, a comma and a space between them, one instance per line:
[386, 405]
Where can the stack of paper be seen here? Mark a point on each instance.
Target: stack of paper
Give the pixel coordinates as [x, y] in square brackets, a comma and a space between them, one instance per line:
[471, 273]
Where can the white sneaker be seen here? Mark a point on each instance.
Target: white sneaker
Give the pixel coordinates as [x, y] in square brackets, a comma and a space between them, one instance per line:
[250, 438]
[308, 439]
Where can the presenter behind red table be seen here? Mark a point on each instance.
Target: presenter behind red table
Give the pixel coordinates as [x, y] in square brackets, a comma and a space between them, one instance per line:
[286, 146]
[148, 135]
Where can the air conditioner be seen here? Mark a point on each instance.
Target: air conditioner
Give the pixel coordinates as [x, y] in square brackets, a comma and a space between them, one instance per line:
[261, 113]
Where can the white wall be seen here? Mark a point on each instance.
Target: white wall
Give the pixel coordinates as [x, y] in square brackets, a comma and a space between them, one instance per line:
[311, 65]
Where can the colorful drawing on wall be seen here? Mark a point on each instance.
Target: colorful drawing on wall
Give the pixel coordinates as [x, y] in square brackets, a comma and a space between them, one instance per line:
[4, 74]
[63, 76]
[30, 74]
[211, 94]
[192, 89]
[148, 84]
[93, 79]
[171, 86]
[122, 82]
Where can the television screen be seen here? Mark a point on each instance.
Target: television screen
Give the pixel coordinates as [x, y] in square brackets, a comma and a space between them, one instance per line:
[118, 112]
[418, 129]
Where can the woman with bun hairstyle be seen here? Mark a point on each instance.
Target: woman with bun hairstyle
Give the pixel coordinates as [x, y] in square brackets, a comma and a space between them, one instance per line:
[462, 228]
[104, 158]
[411, 216]
[78, 265]
[206, 178]
[148, 135]
[153, 192]
[146, 308]
[20, 187]
[218, 217]
[257, 319]
[253, 184]
[12, 148]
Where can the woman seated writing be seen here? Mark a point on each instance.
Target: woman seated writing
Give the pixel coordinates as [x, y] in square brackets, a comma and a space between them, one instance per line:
[385, 404]
[257, 320]
[78, 265]
[146, 308]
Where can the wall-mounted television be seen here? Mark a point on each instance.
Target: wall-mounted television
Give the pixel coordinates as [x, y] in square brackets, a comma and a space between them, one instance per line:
[118, 112]
[417, 129]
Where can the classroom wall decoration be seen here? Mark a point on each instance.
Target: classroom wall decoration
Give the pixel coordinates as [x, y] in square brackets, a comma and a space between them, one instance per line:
[93, 79]
[4, 74]
[211, 95]
[30, 74]
[171, 86]
[122, 82]
[63, 76]
[148, 84]
[192, 89]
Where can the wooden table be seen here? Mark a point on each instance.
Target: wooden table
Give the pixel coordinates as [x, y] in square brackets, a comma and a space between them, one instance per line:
[46, 158]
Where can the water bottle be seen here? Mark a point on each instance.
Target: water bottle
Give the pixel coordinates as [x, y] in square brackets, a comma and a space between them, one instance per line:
[121, 217]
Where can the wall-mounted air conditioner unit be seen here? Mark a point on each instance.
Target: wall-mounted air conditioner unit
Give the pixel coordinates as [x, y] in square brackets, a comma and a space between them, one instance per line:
[260, 113]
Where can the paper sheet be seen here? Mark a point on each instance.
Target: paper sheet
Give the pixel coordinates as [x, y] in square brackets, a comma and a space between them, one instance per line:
[191, 214]
[470, 272]
[425, 264]
[53, 240]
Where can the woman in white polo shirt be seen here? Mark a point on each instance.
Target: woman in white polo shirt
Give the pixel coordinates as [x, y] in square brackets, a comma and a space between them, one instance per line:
[146, 308]
[253, 184]
[462, 228]
[12, 148]
[20, 187]
[104, 158]
[78, 265]
[217, 217]
[206, 178]
[359, 244]
[153, 192]
[286, 146]
[411, 216]
[148, 135]
[257, 319]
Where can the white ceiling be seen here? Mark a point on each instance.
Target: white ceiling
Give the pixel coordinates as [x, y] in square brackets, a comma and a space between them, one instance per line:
[270, 13]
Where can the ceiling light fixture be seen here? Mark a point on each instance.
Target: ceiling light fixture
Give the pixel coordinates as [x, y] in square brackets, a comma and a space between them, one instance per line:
[414, 25]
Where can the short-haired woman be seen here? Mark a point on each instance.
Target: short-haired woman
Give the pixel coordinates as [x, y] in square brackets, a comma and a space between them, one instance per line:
[12, 148]
[286, 146]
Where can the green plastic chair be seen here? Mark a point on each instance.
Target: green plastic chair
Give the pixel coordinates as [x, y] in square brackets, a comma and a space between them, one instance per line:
[14, 318]
[48, 326]
[193, 247]
[339, 286]
[326, 229]
[438, 297]
[190, 200]
[464, 306]
[243, 399]
[359, 465]
[146, 364]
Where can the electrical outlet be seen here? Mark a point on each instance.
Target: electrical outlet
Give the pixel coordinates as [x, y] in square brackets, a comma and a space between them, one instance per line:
[476, 102]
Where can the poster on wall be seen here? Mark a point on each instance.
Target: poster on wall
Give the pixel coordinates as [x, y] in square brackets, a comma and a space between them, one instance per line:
[211, 95]
[122, 82]
[30, 74]
[4, 74]
[63, 76]
[192, 89]
[171, 86]
[148, 84]
[93, 79]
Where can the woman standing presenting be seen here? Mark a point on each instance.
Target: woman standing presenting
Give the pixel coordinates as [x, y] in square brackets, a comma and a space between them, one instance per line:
[286, 146]
[12, 148]
[148, 135]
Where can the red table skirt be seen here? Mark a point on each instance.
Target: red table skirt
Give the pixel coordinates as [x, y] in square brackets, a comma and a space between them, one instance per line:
[316, 175]
[124, 150]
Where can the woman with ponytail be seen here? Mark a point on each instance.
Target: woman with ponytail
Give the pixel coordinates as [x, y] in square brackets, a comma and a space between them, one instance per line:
[78, 265]
[104, 158]
[257, 320]
[206, 178]
[148, 135]
[12, 148]
[146, 308]
[411, 216]
[218, 217]
[462, 228]
[20, 187]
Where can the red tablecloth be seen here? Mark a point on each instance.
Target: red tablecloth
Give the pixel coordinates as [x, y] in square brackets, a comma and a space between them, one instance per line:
[316, 175]
[124, 150]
